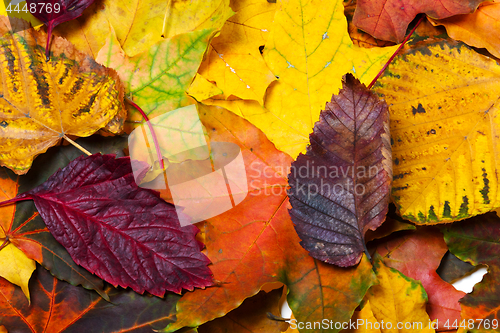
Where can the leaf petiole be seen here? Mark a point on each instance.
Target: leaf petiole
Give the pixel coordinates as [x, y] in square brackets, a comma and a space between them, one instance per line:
[153, 134]
[395, 53]
[77, 145]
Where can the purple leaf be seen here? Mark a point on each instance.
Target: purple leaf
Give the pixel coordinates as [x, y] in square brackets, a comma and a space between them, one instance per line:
[125, 234]
[340, 188]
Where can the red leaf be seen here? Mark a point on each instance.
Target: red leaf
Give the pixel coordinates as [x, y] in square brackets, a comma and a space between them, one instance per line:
[389, 19]
[340, 188]
[54, 12]
[125, 234]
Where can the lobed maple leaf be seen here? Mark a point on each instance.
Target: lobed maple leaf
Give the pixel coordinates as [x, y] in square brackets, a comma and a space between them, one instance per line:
[341, 187]
[126, 235]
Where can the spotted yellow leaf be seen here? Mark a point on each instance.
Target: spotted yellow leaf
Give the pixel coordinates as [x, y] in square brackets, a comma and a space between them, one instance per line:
[443, 103]
[41, 102]
[309, 50]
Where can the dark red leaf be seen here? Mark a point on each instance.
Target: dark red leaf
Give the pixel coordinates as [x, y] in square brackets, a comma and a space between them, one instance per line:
[54, 12]
[340, 188]
[125, 234]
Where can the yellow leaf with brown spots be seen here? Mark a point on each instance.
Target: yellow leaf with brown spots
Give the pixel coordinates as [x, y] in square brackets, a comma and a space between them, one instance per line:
[445, 129]
[41, 102]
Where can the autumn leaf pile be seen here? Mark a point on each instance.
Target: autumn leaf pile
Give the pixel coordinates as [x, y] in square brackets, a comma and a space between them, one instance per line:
[363, 205]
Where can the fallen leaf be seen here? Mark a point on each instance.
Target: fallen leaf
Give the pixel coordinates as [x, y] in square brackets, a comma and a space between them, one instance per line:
[16, 267]
[477, 29]
[477, 241]
[398, 300]
[24, 226]
[44, 101]
[417, 255]
[124, 234]
[157, 79]
[389, 19]
[250, 316]
[442, 101]
[255, 243]
[54, 12]
[234, 61]
[309, 49]
[451, 268]
[57, 306]
[341, 187]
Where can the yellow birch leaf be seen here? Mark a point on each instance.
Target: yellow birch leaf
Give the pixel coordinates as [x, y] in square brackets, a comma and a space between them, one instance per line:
[140, 24]
[157, 79]
[16, 267]
[443, 103]
[309, 49]
[234, 61]
[41, 102]
[398, 301]
[480, 29]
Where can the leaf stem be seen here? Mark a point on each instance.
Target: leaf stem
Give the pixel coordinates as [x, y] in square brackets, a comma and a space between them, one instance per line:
[153, 134]
[77, 145]
[13, 200]
[396, 53]
[367, 253]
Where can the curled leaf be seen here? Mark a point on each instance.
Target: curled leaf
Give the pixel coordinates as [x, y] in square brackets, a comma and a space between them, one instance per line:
[341, 187]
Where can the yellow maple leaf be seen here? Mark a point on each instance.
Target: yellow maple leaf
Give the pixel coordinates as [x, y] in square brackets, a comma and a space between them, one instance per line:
[42, 102]
[365, 320]
[397, 302]
[443, 103]
[309, 49]
[234, 61]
